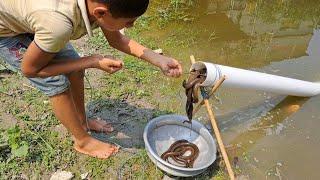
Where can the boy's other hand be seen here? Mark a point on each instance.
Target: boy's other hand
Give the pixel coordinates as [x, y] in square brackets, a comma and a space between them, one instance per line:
[170, 67]
[108, 63]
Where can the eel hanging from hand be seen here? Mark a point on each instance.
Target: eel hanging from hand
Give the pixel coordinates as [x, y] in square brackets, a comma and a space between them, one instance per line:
[192, 85]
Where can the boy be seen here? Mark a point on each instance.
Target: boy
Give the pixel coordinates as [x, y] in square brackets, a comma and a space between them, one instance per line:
[34, 38]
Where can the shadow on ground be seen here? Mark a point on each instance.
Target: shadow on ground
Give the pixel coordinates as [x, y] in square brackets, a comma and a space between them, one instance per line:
[128, 121]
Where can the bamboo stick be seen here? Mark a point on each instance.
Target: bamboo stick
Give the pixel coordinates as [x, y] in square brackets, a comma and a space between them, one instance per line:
[192, 59]
[213, 90]
[219, 139]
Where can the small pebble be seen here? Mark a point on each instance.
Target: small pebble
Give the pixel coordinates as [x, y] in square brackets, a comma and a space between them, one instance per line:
[122, 31]
[158, 51]
[62, 175]
[84, 175]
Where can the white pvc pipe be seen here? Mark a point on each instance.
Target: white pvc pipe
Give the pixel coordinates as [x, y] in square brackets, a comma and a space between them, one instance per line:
[240, 78]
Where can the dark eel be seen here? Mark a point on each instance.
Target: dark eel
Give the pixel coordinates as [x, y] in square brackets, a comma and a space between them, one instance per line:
[177, 152]
[192, 85]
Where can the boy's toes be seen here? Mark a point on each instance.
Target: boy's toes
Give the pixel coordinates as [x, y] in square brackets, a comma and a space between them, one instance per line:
[100, 125]
[96, 148]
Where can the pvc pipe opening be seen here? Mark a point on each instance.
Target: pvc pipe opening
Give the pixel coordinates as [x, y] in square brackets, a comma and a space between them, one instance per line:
[213, 72]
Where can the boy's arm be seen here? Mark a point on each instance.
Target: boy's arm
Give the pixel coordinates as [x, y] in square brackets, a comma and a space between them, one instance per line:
[37, 63]
[169, 66]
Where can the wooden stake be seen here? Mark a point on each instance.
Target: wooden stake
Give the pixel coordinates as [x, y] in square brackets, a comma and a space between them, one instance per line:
[219, 139]
[215, 126]
[192, 59]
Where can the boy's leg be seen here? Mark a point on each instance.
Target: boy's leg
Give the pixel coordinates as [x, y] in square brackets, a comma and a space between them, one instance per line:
[77, 91]
[65, 110]
[57, 88]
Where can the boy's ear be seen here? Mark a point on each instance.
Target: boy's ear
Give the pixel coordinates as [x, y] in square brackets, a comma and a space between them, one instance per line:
[99, 12]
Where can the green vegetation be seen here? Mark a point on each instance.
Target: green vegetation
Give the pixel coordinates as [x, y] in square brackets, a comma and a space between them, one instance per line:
[175, 11]
[293, 12]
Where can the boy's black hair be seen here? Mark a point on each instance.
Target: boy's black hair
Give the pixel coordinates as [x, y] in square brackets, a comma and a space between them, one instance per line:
[126, 8]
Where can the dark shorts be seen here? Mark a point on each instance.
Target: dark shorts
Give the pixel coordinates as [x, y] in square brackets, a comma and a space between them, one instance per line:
[12, 50]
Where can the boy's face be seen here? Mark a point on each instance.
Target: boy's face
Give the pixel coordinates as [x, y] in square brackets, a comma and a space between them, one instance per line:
[115, 24]
[106, 21]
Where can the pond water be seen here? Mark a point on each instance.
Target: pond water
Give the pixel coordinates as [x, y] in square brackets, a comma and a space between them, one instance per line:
[274, 136]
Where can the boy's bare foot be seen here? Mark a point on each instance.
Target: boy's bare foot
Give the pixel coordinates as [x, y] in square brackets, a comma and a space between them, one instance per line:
[99, 125]
[95, 148]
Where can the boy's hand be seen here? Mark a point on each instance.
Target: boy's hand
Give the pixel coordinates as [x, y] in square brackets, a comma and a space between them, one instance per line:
[108, 63]
[170, 67]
